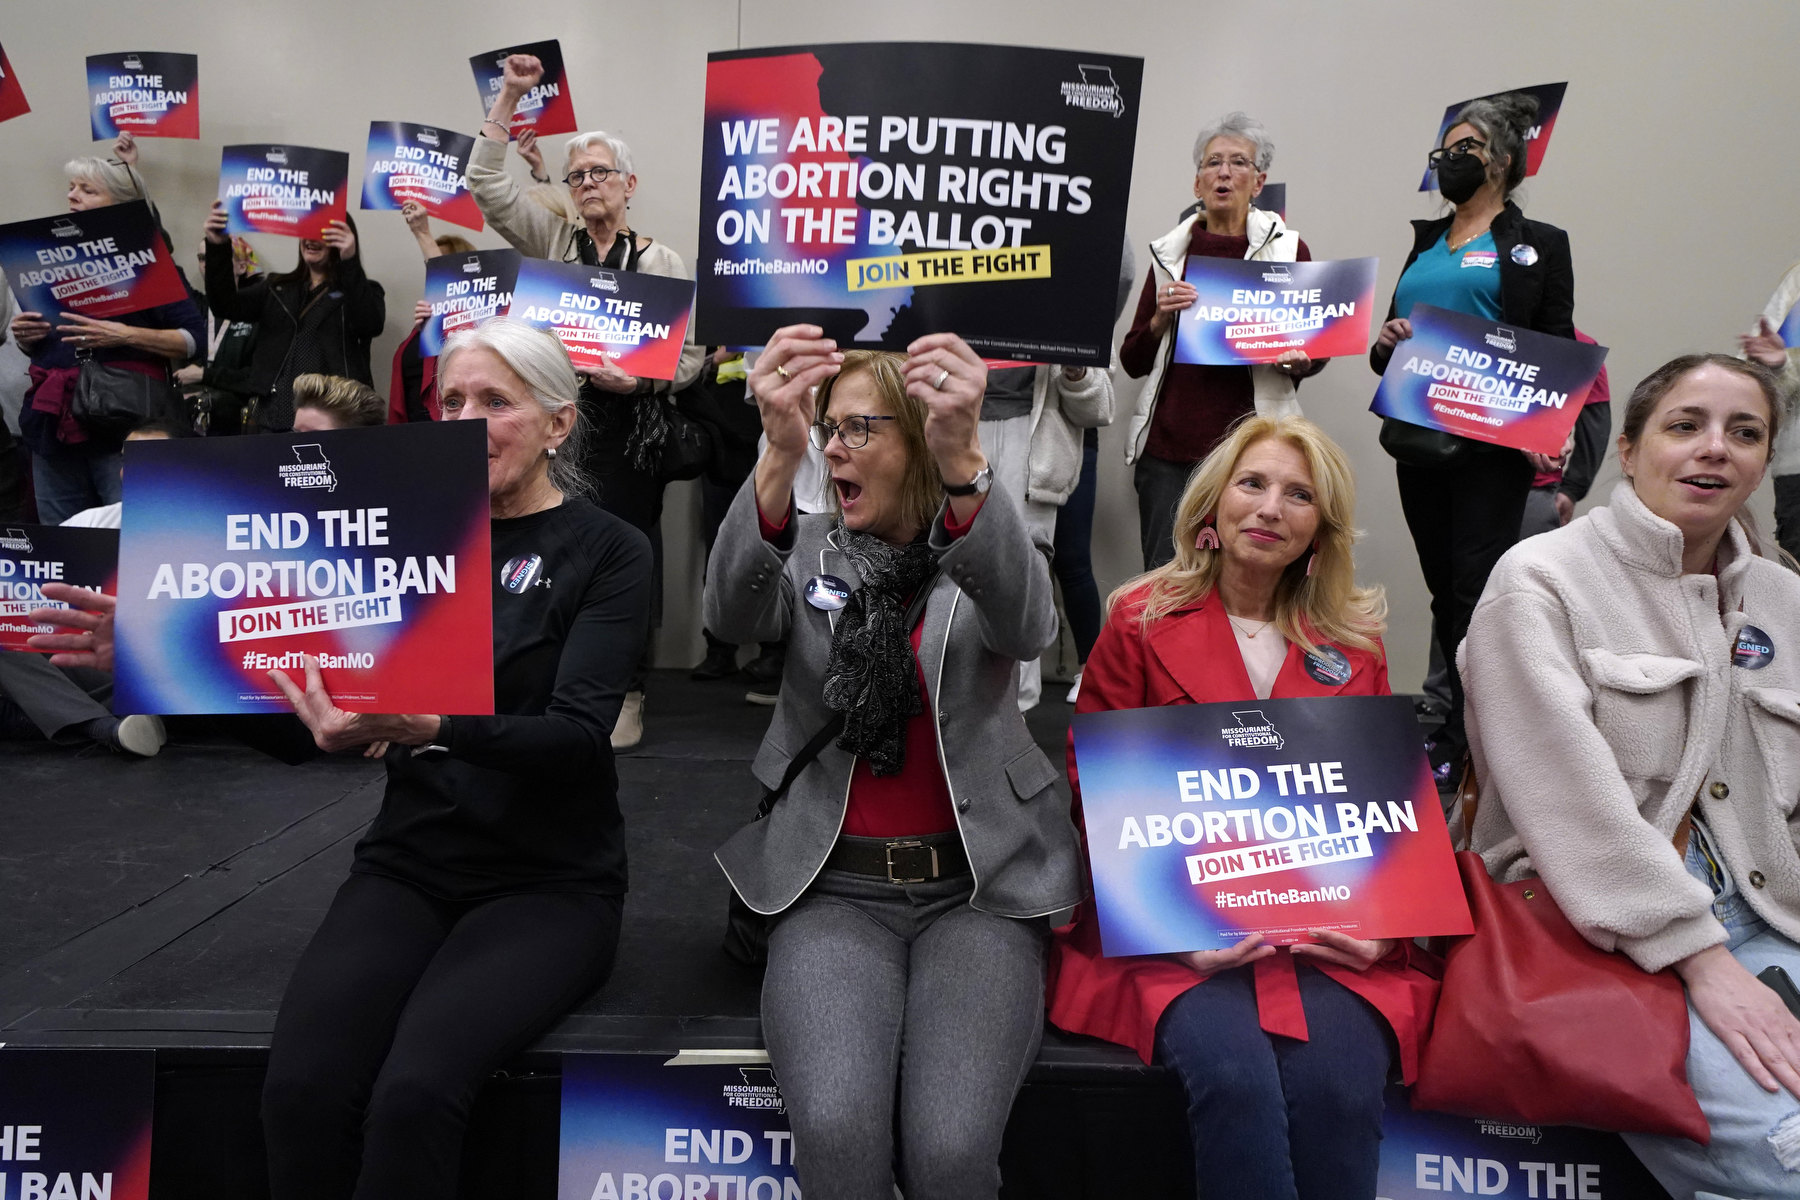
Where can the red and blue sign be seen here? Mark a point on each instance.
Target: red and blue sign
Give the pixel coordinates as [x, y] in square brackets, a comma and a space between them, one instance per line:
[1537, 138]
[145, 94]
[421, 163]
[1790, 328]
[368, 548]
[102, 263]
[888, 190]
[33, 555]
[1209, 822]
[1254, 312]
[626, 319]
[295, 191]
[1478, 379]
[12, 95]
[75, 1123]
[464, 290]
[547, 108]
[637, 1125]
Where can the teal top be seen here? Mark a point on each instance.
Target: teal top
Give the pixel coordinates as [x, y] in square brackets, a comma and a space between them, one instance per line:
[1465, 280]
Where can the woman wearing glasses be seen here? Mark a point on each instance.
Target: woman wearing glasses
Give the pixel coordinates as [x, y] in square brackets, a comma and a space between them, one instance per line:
[627, 414]
[1184, 409]
[910, 866]
[1464, 499]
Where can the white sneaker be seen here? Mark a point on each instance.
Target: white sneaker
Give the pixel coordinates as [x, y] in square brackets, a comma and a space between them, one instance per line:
[629, 730]
[140, 734]
[1074, 689]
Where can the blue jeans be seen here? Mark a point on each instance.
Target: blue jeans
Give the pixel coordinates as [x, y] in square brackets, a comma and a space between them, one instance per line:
[68, 481]
[1273, 1118]
[1741, 1161]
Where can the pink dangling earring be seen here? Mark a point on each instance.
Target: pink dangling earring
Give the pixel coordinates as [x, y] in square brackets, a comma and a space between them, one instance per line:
[1209, 537]
[1312, 557]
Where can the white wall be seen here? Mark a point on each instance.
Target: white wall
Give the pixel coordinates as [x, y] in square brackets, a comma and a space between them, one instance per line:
[1672, 165]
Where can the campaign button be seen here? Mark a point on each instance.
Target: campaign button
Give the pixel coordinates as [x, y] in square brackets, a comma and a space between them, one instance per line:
[1329, 666]
[1753, 650]
[521, 572]
[1524, 255]
[827, 592]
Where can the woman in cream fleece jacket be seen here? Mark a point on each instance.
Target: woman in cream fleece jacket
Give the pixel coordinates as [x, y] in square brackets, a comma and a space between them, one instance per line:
[1639, 664]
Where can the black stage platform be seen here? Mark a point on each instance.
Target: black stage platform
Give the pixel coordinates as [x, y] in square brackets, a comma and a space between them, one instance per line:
[162, 903]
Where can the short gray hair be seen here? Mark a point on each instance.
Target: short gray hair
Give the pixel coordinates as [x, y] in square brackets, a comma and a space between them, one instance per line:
[621, 153]
[1237, 125]
[539, 360]
[114, 178]
[1505, 121]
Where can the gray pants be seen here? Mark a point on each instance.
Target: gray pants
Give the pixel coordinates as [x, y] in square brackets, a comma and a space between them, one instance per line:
[875, 988]
[58, 701]
[1007, 447]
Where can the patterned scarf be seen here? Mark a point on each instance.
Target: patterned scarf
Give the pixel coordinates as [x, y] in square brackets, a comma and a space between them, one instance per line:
[872, 675]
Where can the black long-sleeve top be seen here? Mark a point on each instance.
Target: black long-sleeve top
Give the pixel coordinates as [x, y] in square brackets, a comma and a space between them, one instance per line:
[527, 800]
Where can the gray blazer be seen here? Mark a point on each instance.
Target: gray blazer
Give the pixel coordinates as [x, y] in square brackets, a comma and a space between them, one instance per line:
[990, 608]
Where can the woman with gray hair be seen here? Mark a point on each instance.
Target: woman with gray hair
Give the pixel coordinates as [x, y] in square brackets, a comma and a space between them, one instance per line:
[629, 415]
[73, 469]
[1184, 409]
[1464, 499]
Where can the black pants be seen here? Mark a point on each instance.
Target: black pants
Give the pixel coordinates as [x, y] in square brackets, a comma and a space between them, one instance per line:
[399, 1009]
[1160, 484]
[1463, 518]
[628, 493]
[1787, 513]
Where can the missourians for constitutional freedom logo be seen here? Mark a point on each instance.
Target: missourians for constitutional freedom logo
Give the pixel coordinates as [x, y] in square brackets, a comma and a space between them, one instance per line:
[311, 469]
[1098, 91]
[1253, 731]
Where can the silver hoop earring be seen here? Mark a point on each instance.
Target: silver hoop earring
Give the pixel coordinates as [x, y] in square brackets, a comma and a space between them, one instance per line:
[551, 452]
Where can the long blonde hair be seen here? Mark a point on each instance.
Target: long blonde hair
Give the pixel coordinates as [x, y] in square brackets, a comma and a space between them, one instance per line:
[1325, 606]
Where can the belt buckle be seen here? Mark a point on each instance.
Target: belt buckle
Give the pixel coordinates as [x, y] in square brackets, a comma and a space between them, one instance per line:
[911, 844]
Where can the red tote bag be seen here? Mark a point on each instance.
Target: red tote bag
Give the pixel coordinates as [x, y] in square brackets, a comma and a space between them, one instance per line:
[1536, 1025]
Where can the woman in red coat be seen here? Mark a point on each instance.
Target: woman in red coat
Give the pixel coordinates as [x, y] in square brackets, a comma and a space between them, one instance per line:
[1284, 1053]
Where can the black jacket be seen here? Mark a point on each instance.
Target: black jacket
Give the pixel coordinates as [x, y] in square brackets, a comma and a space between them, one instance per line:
[1539, 297]
[344, 320]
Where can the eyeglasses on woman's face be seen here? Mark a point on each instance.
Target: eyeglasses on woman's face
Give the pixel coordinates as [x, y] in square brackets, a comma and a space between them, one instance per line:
[1468, 145]
[853, 431]
[598, 174]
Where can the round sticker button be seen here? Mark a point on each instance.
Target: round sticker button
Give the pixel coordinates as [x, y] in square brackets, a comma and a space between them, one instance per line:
[827, 592]
[521, 572]
[1524, 255]
[1753, 650]
[1330, 666]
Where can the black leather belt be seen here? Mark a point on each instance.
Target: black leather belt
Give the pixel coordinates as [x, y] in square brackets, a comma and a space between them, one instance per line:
[901, 860]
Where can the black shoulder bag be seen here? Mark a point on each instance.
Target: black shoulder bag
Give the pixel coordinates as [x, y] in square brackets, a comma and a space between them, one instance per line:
[110, 402]
[746, 930]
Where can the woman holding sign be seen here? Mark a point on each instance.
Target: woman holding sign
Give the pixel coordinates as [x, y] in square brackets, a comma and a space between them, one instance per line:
[909, 866]
[627, 413]
[1284, 1054]
[484, 901]
[1464, 499]
[1634, 715]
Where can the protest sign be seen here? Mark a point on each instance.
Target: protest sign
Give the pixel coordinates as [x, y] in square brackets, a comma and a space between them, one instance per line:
[290, 190]
[1254, 312]
[422, 163]
[641, 1125]
[1537, 138]
[1478, 379]
[1207, 822]
[627, 319]
[33, 555]
[368, 548]
[888, 190]
[464, 290]
[547, 108]
[75, 1123]
[101, 262]
[145, 94]
[12, 96]
[1790, 328]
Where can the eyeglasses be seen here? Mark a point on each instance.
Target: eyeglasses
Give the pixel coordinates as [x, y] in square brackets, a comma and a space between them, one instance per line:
[853, 431]
[1467, 146]
[598, 174]
[1237, 164]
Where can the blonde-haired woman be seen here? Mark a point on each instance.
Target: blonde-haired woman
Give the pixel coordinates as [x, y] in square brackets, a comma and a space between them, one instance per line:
[1283, 1053]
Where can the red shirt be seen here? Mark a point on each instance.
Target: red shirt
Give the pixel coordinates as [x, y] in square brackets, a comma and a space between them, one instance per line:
[1197, 403]
[915, 802]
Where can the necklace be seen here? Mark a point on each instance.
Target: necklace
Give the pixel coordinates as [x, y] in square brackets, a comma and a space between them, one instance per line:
[1455, 245]
[1249, 633]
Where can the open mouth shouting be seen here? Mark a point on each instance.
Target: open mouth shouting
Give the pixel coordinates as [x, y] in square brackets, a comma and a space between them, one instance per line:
[848, 493]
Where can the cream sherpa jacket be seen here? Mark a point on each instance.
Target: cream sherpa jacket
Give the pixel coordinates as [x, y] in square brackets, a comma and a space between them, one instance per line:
[1602, 700]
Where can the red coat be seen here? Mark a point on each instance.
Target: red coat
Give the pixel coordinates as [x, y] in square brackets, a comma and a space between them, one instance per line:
[1191, 657]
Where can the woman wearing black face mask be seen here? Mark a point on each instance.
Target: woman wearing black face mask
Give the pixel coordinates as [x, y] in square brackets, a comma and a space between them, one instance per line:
[1464, 499]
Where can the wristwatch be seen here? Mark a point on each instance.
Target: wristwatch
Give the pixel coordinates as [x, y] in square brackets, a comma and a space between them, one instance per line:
[978, 486]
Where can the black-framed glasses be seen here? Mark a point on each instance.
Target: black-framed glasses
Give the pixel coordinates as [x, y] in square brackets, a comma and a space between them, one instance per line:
[1467, 145]
[853, 431]
[598, 174]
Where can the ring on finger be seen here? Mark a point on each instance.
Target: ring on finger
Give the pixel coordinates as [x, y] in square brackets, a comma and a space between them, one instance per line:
[937, 385]
[782, 371]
